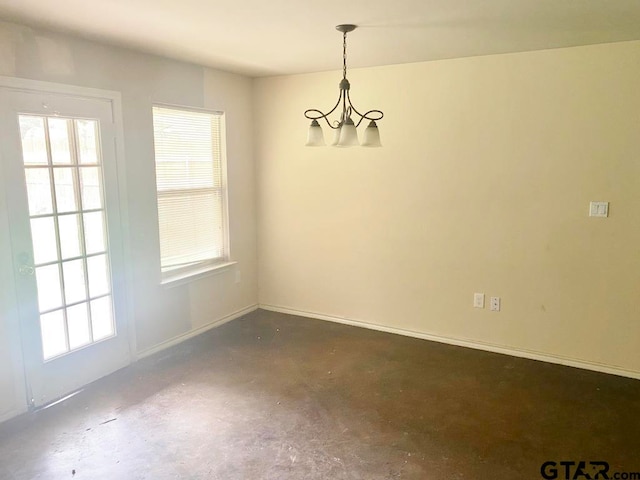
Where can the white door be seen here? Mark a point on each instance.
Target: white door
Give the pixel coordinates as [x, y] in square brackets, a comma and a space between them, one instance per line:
[58, 154]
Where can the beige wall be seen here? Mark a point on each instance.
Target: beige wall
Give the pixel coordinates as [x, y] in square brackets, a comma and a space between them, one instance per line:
[160, 314]
[483, 185]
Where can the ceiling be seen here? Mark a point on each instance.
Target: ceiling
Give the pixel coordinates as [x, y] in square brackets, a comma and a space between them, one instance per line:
[273, 37]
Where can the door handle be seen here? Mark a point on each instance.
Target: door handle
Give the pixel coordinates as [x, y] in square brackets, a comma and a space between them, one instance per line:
[26, 270]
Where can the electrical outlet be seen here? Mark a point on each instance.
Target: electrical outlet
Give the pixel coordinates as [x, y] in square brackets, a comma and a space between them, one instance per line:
[478, 300]
[495, 304]
[238, 276]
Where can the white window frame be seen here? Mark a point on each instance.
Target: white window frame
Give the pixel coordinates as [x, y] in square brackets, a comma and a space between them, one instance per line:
[180, 275]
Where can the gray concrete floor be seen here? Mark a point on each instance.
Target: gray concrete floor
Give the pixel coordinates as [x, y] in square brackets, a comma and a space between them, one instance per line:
[272, 396]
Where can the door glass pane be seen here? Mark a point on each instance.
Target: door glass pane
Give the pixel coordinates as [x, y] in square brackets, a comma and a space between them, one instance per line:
[102, 318]
[74, 284]
[43, 234]
[78, 325]
[53, 334]
[98, 275]
[87, 137]
[49, 291]
[38, 191]
[64, 180]
[34, 144]
[65, 189]
[69, 235]
[94, 232]
[90, 185]
[59, 139]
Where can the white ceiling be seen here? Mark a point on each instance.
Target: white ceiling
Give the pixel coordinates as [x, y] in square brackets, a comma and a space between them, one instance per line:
[271, 37]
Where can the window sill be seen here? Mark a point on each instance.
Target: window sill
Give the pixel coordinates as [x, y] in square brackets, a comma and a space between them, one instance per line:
[173, 280]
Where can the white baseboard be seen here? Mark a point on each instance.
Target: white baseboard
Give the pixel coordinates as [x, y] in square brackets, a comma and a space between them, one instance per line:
[515, 352]
[12, 413]
[192, 333]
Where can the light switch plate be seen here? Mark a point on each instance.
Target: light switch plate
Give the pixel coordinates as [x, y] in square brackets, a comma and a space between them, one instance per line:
[599, 209]
[478, 300]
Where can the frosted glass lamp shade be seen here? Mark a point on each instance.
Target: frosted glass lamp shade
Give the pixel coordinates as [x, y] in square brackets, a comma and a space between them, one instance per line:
[371, 136]
[315, 137]
[348, 135]
[336, 136]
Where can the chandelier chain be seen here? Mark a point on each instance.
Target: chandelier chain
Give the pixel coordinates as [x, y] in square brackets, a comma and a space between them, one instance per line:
[344, 55]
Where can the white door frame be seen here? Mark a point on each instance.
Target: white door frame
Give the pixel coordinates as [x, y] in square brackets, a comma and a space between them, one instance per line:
[8, 300]
[115, 99]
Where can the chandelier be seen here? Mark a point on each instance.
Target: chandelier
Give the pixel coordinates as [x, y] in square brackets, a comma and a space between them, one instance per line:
[344, 127]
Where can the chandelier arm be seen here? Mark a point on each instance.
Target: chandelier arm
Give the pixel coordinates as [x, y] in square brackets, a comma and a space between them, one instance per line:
[369, 115]
[346, 111]
[320, 115]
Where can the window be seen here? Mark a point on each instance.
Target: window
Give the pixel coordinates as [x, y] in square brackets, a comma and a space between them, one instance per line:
[190, 178]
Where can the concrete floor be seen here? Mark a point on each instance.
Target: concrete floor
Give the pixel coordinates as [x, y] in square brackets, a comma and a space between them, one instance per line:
[272, 396]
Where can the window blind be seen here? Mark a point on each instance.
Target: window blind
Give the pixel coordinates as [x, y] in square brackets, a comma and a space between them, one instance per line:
[190, 187]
